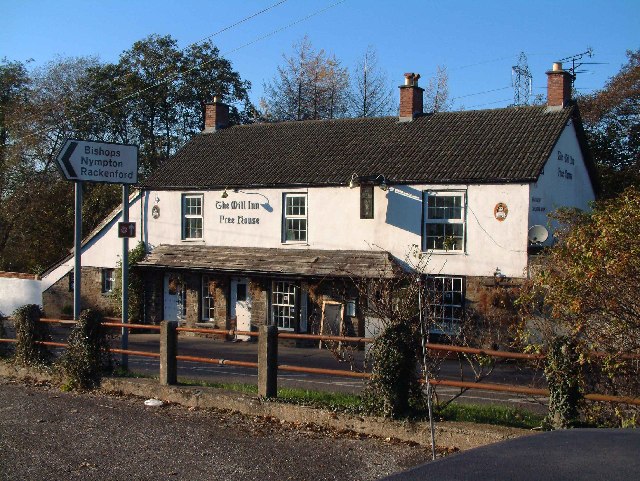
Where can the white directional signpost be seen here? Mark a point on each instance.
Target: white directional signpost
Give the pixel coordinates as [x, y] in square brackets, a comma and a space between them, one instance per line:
[85, 161]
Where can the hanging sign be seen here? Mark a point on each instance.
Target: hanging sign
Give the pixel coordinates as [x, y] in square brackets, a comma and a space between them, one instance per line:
[126, 229]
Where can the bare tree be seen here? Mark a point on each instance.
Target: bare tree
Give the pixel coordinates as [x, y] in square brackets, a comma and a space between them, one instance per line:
[436, 93]
[310, 85]
[371, 94]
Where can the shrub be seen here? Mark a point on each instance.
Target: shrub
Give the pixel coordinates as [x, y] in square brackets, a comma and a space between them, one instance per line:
[563, 373]
[87, 355]
[29, 331]
[394, 389]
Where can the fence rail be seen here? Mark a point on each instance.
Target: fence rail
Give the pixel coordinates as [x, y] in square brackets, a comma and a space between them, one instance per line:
[268, 339]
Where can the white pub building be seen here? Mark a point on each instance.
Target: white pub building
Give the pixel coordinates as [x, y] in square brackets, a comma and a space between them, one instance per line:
[270, 223]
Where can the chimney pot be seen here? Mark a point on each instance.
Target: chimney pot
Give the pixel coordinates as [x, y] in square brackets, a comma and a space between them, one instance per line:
[411, 102]
[216, 115]
[558, 86]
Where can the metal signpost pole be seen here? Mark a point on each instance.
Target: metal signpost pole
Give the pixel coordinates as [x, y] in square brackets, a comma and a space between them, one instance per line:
[84, 160]
[125, 276]
[77, 250]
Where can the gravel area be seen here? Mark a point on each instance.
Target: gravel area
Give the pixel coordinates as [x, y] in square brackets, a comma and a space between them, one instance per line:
[48, 434]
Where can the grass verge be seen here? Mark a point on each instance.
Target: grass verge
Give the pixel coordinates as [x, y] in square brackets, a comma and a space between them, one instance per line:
[352, 404]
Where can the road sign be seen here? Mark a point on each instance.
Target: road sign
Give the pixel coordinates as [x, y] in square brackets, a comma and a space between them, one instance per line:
[126, 229]
[82, 160]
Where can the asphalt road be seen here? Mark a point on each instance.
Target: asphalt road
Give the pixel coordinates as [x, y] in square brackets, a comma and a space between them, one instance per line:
[570, 455]
[317, 358]
[504, 373]
[47, 434]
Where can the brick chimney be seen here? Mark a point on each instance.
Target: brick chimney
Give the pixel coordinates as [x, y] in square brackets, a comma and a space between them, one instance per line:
[216, 115]
[558, 86]
[410, 97]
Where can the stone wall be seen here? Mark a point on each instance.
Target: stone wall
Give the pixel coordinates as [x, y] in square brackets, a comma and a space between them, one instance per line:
[57, 300]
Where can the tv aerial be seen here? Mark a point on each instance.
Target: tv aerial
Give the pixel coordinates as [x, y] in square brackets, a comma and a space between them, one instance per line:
[538, 234]
[576, 63]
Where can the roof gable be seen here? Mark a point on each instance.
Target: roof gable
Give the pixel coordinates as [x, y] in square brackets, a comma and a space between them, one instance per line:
[501, 145]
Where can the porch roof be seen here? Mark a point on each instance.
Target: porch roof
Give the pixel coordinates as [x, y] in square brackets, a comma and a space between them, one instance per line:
[258, 260]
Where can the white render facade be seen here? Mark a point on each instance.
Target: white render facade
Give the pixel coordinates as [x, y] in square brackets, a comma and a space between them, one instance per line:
[465, 188]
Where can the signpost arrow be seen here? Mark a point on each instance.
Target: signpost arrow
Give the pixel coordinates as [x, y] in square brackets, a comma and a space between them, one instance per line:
[103, 162]
[81, 160]
[65, 164]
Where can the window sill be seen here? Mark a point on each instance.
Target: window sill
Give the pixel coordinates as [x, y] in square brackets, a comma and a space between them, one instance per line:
[193, 240]
[445, 253]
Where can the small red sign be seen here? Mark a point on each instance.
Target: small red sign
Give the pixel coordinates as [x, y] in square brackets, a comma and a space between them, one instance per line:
[126, 229]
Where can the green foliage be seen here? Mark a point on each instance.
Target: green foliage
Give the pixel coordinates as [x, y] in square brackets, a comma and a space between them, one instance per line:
[563, 373]
[488, 414]
[612, 124]
[153, 96]
[588, 289]
[29, 331]
[394, 388]
[136, 286]
[86, 357]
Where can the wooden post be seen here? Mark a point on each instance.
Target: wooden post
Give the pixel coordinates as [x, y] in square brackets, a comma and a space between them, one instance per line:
[168, 351]
[268, 362]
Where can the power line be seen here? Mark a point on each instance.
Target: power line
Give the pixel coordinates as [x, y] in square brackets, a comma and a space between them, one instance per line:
[176, 76]
[480, 93]
[193, 44]
[489, 103]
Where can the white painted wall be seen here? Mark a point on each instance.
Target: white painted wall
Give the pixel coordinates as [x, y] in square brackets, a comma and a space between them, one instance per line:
[15, 292]
[334, 223]
[564, 183]
[334, 219]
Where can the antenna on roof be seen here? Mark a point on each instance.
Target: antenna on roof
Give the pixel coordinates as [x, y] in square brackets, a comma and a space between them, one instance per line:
[576, 64]
[521, 80]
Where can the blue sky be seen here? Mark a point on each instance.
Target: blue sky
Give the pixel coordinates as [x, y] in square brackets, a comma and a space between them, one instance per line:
[478, 41]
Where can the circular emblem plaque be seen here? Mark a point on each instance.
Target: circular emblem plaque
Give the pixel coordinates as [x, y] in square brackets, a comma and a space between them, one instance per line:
[500, 211]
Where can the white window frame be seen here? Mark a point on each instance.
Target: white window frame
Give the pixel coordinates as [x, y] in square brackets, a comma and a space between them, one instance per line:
[284, 308]
[445, 297]
[108, 280]
[288, 216]
[208, 301]
[444, 221]
[187, 233]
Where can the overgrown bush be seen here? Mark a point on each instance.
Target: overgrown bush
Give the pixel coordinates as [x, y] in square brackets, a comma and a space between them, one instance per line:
[136, 286]
[394, 389]
[29, 331]
[87, 356]
[563, 373]
[587, 287]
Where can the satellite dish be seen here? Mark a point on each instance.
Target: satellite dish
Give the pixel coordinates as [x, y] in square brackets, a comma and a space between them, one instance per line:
[538, 234]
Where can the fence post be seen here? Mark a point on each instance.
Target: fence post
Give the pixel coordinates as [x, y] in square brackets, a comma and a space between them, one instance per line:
[268, 362]
[168, 351]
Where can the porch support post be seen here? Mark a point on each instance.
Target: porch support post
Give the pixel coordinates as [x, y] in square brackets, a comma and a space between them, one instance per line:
[168, 352]
[268, 362]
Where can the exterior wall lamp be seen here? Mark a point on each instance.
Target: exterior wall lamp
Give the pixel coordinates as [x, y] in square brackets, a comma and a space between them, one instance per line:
[354, 181]
[224, 194]
[383, 183]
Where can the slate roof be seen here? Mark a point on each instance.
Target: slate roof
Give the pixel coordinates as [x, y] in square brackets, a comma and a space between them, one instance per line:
[288, 262]
[480, 146]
